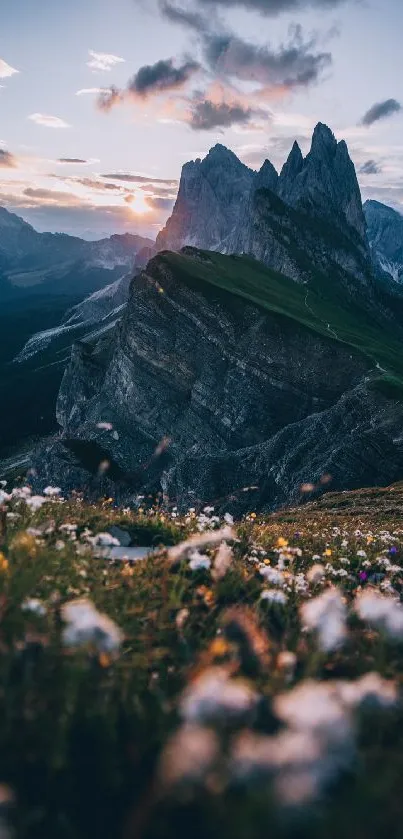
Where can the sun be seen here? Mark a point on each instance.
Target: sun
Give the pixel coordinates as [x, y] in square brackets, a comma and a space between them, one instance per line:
[139, 206]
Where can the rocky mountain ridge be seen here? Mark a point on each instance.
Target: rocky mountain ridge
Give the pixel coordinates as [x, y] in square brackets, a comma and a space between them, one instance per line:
[235, 379]
[323, 185]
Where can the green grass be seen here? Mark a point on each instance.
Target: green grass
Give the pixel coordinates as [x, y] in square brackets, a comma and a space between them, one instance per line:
[318, 307]
[82, 734]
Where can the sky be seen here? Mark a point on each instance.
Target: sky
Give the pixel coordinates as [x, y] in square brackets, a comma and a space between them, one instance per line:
[102, 101]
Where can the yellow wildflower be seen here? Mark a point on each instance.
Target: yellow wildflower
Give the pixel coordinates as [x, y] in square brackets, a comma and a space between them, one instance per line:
[219, 647]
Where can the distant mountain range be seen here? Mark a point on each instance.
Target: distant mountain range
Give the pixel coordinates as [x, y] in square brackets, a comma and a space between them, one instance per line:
[55, 263]
[264, 355]
[385, 234]
[42, 276]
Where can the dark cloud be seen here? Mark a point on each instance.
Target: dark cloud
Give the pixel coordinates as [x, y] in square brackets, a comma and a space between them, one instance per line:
[161, 77]
[207, 115]
[294, 64]
[72, 160]
[271, 7]
[138, 179]
[381, 110]
[7, 160]
[370, 167]
[151, 79]
[184, 17]
[107, 99]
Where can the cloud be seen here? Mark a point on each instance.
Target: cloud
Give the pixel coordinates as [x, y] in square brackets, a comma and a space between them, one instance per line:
[72, 160]
[49, 121]
[88, 183]
[161, 77]
[157, 203]
[381, 110]
[85, 91]
[109, 97]
[150, 80]
[51, 196]
[184, 17]
[271, 7]
[295, 63]
[7, 160]
[6, 70]
[207, 115]
[138, 179]
[103, 61]
[370, 167]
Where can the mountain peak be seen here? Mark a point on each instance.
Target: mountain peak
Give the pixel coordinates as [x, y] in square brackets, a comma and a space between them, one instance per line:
[220, 151]
[291, 169]
[323, 137]
[266, 177]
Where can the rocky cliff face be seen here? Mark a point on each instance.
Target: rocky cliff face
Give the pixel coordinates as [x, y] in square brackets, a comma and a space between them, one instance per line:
[324, 184]
[206, 396]
[218, 209]
[385, 234]
[211, 193]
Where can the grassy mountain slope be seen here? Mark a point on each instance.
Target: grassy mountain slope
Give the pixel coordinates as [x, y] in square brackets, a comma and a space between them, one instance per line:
[318, 306]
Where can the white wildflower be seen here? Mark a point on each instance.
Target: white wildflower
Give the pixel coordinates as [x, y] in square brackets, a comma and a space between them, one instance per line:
[300, 583]
[228, 519]
[222, 561]
[69, 527]
[33, 604]
[272, 575]
[104, 540]
[85, 625]
[35, 502]
[181, 618]
[21, 492]
[274, 596]
[327, 615]
[380, 611]
[213, 696]
[199, 561]
[52, 491]
[105, 426]
[315, 574]
[287, 661]
[188, 755]
[200, 540]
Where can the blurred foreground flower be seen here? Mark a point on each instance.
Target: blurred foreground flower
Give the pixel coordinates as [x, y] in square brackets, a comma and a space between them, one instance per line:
[86, 626]
[200, 540]
[327, 615]
[380, 611]
[215, 697]
[318, 741]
